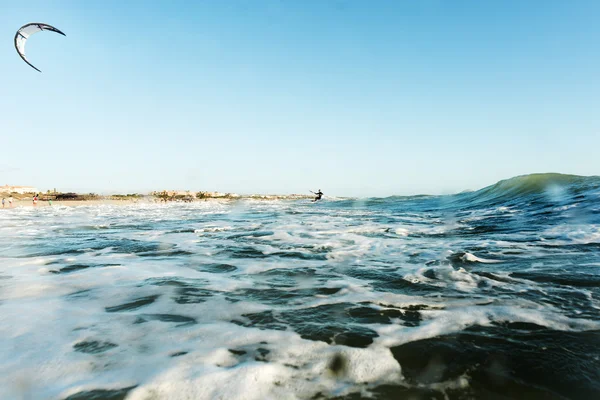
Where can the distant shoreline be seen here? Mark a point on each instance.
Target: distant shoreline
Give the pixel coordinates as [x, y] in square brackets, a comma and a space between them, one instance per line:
[43, 203]
[152, 197]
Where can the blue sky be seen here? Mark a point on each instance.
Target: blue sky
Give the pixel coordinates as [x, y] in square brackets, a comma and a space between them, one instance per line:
[358, 98]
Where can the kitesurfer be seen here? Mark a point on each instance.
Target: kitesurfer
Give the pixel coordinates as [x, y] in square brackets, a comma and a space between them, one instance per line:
[318, 195]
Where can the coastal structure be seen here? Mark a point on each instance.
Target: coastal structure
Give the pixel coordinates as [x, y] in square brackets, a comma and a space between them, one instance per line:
[181, 193]
[18, 189]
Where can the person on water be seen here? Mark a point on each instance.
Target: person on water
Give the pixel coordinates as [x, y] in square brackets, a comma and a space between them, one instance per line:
[319, 194]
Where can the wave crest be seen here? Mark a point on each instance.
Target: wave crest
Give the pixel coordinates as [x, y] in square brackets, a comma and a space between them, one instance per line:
[528, 186]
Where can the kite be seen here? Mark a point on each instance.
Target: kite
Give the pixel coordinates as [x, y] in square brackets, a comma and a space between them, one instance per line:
[27, 30]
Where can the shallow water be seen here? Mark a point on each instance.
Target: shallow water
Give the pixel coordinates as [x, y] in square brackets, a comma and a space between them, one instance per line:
[490, 294]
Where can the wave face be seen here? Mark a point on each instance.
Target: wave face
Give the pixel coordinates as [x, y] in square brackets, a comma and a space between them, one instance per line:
[487, 294]
[535, 186]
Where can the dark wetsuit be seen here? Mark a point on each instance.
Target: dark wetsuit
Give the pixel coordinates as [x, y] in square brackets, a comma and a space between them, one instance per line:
[319, 194]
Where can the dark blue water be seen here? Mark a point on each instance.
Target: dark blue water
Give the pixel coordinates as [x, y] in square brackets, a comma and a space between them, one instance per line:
[493, 294]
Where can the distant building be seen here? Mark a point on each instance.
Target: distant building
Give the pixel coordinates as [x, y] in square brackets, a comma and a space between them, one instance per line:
[18, 189]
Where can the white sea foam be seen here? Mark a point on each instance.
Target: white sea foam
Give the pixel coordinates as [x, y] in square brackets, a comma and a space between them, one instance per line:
[197, 301]
[473, 258]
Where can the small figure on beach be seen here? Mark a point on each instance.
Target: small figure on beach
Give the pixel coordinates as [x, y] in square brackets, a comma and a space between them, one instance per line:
[10, 201]
[35, 198]
[3, 201]
[318, 195]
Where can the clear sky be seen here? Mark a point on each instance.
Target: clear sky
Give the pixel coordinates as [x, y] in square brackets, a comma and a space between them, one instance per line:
[358, 98]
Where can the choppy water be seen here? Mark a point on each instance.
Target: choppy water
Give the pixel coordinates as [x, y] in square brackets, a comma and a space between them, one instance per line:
[491, 294]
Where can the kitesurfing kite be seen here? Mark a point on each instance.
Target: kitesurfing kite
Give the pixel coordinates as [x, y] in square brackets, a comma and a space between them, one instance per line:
[27, 30]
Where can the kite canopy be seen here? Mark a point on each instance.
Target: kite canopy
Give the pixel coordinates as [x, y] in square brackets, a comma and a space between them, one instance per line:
[27, 30]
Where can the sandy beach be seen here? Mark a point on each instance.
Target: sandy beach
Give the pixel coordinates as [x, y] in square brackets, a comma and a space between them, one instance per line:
[28, 203]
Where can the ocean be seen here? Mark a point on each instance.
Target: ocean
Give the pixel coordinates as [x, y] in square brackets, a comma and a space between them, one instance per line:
[492, 294]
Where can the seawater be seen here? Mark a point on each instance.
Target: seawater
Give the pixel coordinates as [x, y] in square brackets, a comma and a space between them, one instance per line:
[488, 294]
